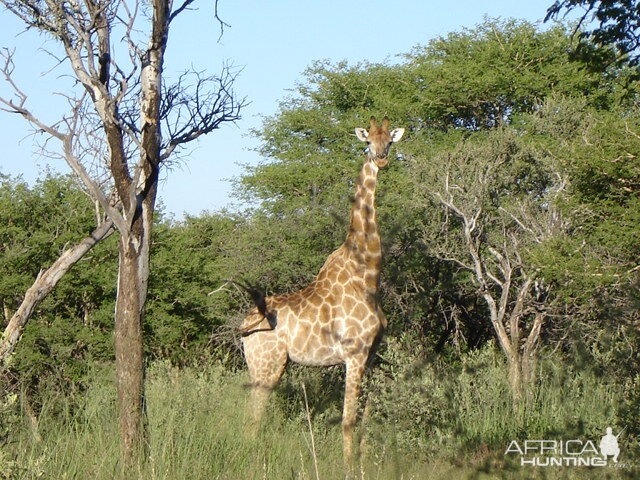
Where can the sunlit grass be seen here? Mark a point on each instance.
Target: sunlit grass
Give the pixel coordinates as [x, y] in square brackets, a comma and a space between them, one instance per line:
[196, 429]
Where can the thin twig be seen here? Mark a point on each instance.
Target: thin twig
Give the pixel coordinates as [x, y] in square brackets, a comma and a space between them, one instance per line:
[313, 443]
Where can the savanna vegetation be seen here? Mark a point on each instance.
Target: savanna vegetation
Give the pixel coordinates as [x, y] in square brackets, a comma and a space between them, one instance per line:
[511, 279]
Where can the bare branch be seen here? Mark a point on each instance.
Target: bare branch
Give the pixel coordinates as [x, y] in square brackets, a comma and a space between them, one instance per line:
[190, 111]
[68, 138]
[184, 6]
[223, 24]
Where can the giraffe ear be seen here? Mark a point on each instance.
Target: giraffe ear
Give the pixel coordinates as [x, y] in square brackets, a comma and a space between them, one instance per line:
[362, 134]
[396, 134]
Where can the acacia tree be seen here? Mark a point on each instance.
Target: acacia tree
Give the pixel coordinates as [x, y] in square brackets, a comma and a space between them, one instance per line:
[124, 124]
[496, 202]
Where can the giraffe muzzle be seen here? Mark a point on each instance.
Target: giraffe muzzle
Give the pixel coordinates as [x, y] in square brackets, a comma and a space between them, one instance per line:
[381, 161]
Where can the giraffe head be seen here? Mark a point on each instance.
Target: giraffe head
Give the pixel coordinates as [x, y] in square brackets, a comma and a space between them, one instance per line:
[379, 140]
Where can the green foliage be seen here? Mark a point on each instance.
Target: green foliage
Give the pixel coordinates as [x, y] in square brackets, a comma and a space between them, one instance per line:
[595, 154]
[187, 263]
[464, 407]
[480, 77]
[36, 223]
[73, 325]
[606, 22]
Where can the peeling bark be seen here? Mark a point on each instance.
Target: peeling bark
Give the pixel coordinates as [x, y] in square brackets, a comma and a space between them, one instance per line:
[132, 277]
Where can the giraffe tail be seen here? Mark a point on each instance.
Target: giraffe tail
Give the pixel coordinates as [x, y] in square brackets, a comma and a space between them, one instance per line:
[260, 301]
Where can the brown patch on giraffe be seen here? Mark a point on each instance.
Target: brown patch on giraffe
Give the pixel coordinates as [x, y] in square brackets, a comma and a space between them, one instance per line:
[316, 329]
[324, 314]
[315, 299]
[343, 277]
[348, 303]
[360, 311]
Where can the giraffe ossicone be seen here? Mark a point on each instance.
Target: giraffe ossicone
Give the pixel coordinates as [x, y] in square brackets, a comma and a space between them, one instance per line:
[337, 318]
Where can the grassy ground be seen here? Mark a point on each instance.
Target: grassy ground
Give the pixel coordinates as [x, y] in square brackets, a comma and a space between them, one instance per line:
[196, 429]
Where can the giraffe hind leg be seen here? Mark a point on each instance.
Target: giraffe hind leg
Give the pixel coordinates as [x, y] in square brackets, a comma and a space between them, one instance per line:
[266, 364]
[258, 399]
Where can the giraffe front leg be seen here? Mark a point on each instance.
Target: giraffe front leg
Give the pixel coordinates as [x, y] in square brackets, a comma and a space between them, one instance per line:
[353, 385]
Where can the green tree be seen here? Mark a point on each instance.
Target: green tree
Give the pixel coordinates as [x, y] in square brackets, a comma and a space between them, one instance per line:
[190, 259]
[72, 325]
[617, 23]
[448, 94]
[37, 222]
[595, 151]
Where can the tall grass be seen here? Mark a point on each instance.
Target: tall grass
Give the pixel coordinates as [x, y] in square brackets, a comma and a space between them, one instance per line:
[426, 423]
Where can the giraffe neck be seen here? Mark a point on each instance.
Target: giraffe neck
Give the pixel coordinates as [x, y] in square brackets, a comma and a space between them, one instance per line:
[363, 239]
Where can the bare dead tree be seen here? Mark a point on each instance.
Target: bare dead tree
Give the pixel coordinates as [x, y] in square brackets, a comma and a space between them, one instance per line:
[124, 125]
[487, 229]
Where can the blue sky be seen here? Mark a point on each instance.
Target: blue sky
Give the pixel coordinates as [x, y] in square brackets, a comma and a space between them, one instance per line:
[273, 42]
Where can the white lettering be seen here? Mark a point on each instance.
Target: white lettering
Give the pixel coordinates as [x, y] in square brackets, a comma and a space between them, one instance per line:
[550, 445]
[553, 453]
[589, 447]
[524, 461]
[513, 448]
[531, 446]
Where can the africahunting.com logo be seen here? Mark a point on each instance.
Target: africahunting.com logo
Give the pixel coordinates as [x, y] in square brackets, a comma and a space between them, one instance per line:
[568, 453]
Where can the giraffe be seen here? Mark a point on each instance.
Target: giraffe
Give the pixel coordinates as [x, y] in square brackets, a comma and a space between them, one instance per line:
[336, 318]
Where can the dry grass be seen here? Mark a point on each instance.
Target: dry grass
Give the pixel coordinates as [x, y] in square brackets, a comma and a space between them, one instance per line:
[196, 424]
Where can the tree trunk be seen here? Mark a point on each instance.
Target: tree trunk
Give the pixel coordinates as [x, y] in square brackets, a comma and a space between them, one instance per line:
[133, 273]
[44, 284]
[529, 367]
[523, 365]
[515, 381]
[138, 195]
